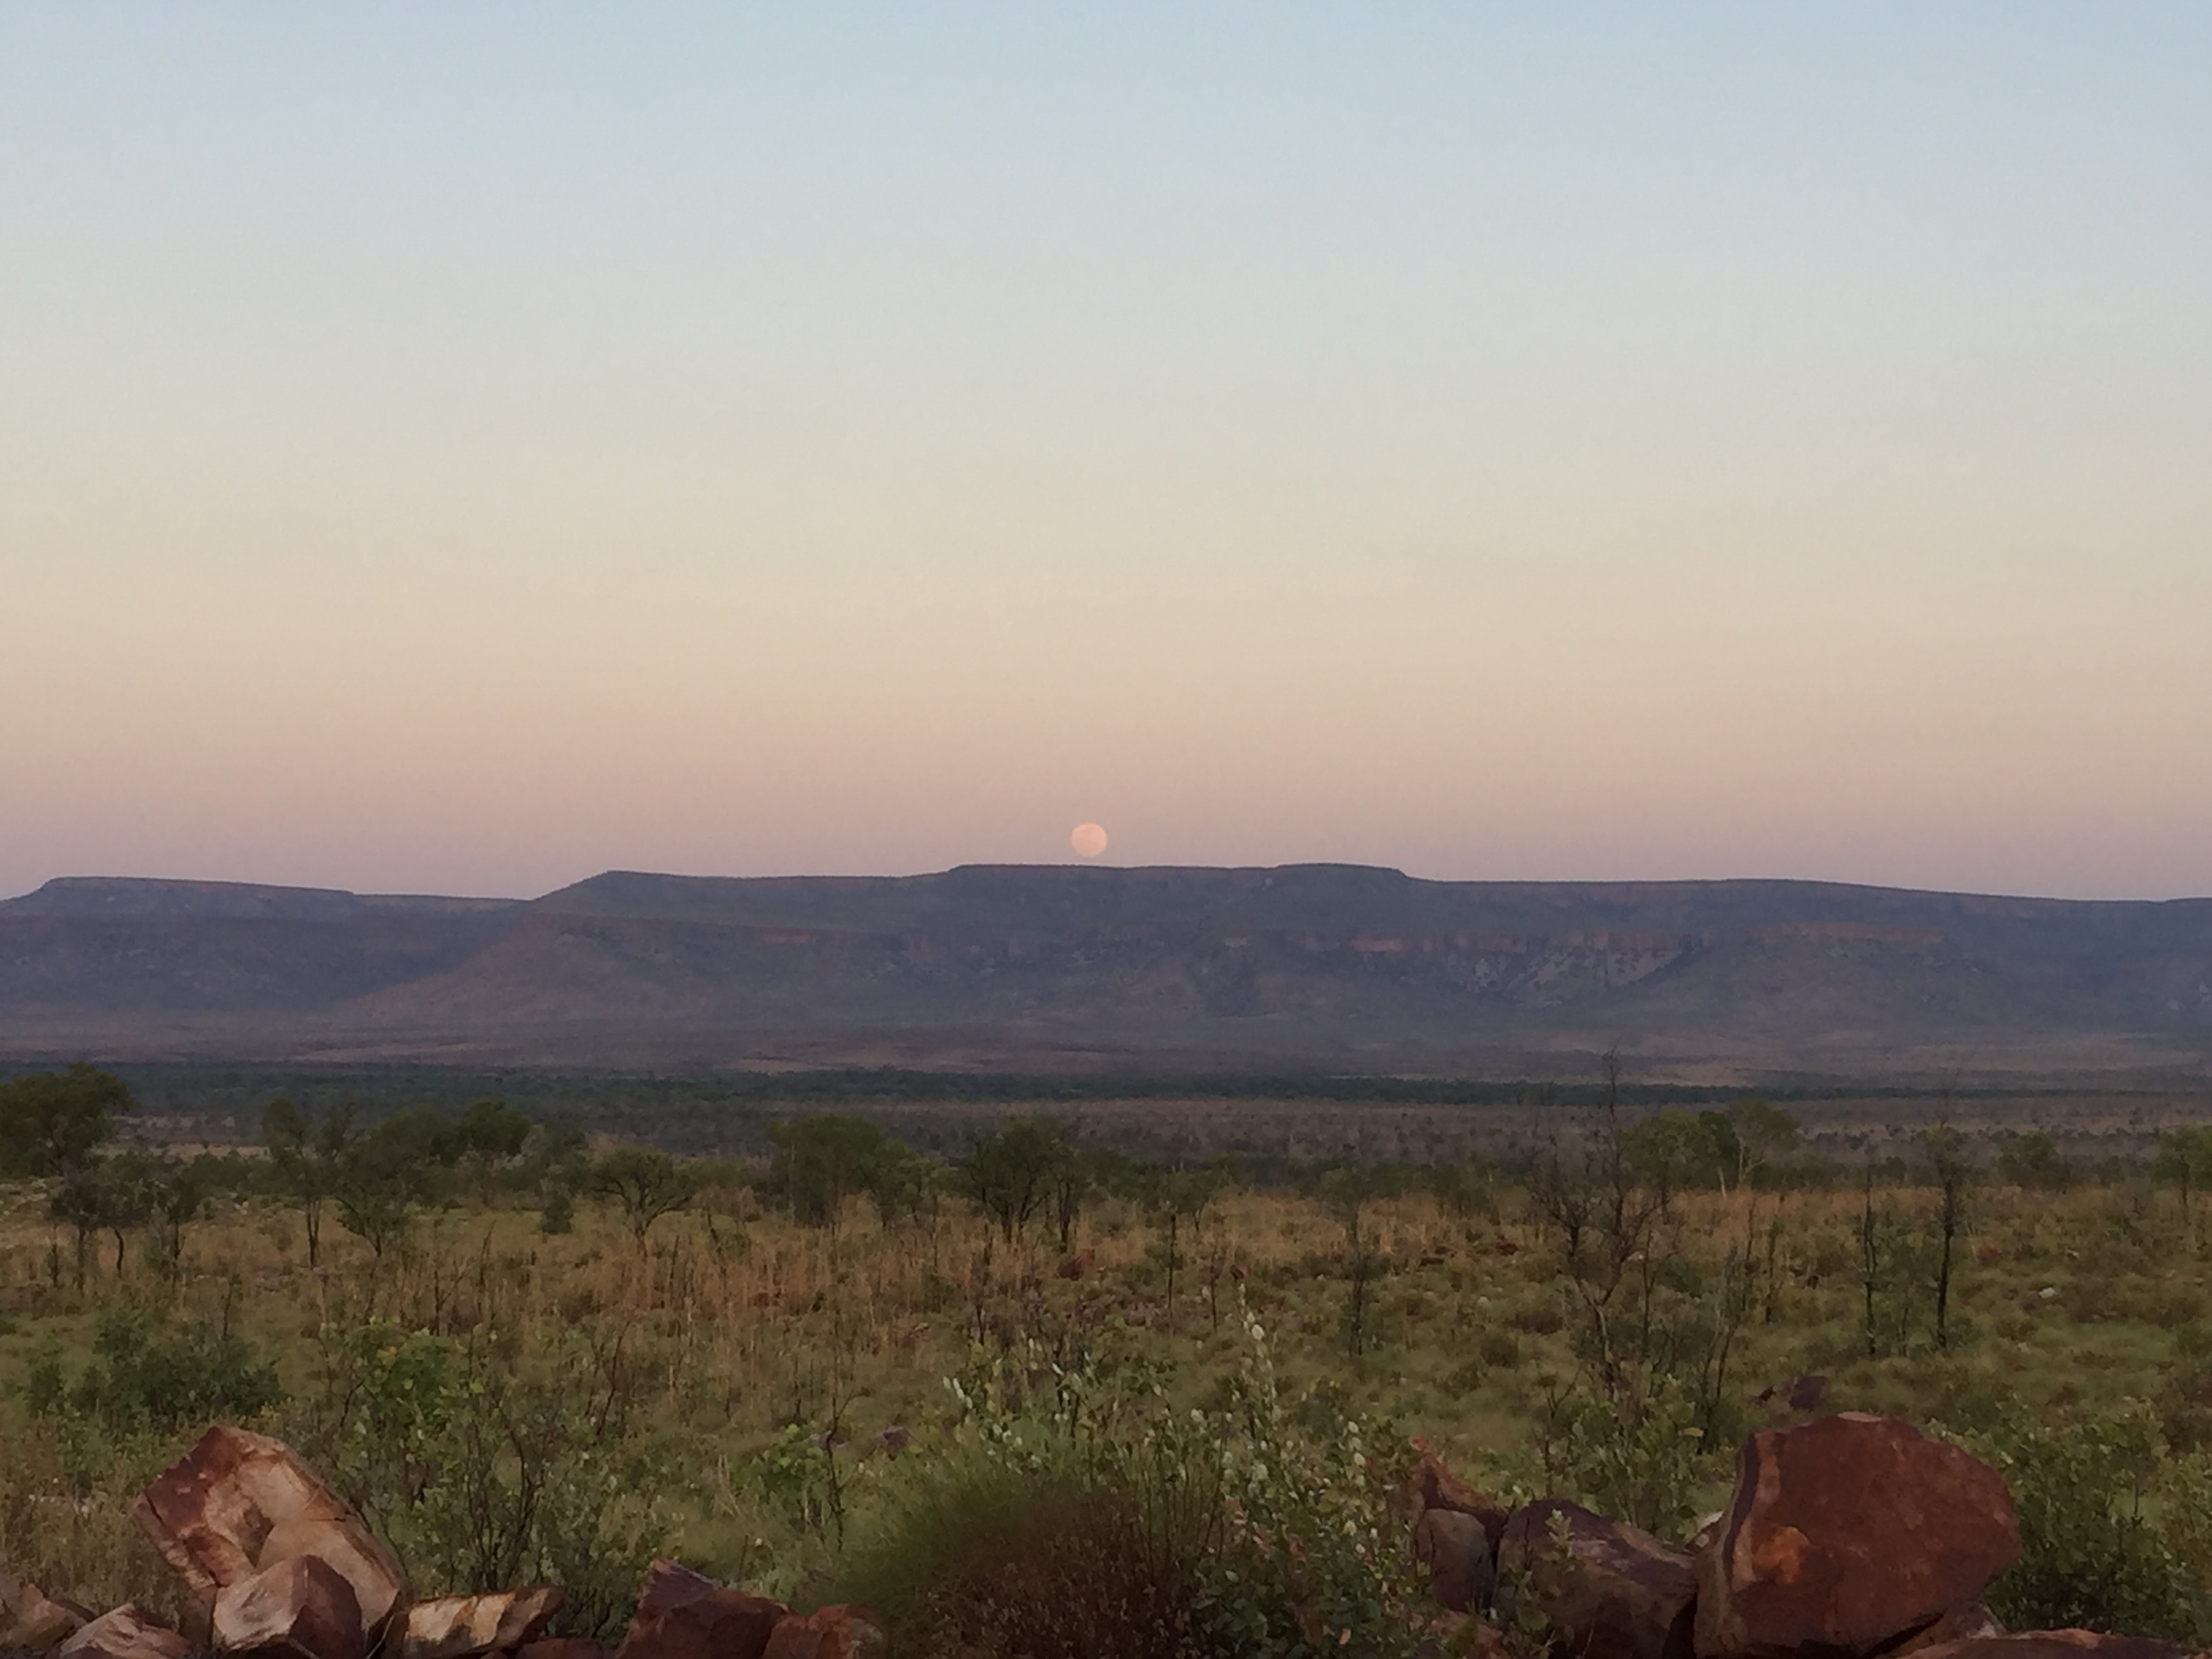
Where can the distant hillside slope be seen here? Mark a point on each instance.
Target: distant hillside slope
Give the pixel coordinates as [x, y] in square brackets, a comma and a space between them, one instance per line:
[1334, 966]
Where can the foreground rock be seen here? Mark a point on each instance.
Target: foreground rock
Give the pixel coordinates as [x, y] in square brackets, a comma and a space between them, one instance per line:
[462, 1627]
[834, 1632]
[238, 1503]
[300, 1606]
[124, 1633]
[1972, 1622]
[1432, 1485]
[29, 1617]
[561, 1647]
[684, 1615]
[1846, 1535]
[1605, 1590]
[2057, 1645]
[1456, 1551]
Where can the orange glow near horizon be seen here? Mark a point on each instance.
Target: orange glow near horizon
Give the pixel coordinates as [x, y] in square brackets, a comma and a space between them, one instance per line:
[1516, 449]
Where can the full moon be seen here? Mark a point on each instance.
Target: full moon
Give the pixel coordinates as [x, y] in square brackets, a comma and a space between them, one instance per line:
[1088, 840]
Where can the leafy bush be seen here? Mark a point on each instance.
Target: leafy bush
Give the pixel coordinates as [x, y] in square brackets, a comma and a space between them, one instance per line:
[2114, 1530]
[483, 1473]
[147, 1376]
[1058, 1557]
[1082, 1517]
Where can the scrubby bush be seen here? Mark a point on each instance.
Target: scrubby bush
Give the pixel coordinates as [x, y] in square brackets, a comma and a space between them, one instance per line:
[1081, 1516]
[2114, 1529]
[148, 1375]
[485, 1468]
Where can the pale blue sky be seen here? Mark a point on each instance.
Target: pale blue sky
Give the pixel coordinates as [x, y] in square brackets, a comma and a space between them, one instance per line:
[469, 446]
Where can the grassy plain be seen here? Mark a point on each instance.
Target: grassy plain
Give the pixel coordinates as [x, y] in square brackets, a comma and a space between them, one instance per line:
[763, 1373]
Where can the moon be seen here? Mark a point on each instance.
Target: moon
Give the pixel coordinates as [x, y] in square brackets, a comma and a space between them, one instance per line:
[1089, 840]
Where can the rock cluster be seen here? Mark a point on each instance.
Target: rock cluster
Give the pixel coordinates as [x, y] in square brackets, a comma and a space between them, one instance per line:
[276, 1566]
[1848, 1537]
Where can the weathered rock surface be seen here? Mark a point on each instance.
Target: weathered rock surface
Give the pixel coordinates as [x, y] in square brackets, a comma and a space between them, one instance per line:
[833, 1632]
[239, 1502]
[684, 1615]
[1455, 1549]
[561, 1647]
[29, 1617]
[2057, 1645]
[1846, 1535]
[1612, 1592]
[460, 1627]
[125, 1633]
[301, 1606]
[1432, 1485]
[1969, 1623]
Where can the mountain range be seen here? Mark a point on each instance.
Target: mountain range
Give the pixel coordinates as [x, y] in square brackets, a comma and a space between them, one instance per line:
[1321, 967]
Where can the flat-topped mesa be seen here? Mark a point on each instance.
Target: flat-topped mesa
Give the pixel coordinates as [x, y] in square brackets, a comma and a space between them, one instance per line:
[1848, 1536]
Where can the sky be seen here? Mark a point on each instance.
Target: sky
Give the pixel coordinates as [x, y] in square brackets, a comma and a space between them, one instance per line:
[463, 447]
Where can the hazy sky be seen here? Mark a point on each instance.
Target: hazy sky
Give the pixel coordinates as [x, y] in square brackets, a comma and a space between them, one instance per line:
[466, 447]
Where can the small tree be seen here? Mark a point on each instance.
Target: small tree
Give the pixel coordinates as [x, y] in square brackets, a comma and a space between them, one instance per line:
[1945, 1151]
[490, 1141]
[645, 1183]
[1349, 1191]
[1008, 1174]
[2184, 1157]
[53, 1123]
[305, 1161]
[2033, 1161]
[824, 1160]
[175, 1194]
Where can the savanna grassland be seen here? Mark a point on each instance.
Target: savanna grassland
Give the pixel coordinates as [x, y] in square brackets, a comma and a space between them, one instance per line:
[525, 1355]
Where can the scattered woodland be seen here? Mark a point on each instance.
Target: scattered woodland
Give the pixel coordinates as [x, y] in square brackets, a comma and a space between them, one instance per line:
[1035, 1374]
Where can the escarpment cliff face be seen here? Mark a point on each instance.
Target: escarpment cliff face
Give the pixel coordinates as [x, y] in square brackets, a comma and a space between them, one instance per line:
[1329, 966]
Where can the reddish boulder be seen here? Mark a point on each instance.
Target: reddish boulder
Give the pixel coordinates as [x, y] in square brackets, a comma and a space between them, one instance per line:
[124, 1633]
[684, 1615]
[1452, 1546]
[299, 1607]
[1846, 1535]
[462, 1627]
[834, 1632]
[1969, 1623]
[238, 1503]
[1432, 1485]
[2057, 1644]
[29, 1617]
[1605, 1590]
[1079, 1265]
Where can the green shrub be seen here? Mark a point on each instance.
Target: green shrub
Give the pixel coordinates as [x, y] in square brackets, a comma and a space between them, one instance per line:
[484, 1472]
[146, 1374]
[1258, 1527]
[1073, 1558]
[2113, 1528]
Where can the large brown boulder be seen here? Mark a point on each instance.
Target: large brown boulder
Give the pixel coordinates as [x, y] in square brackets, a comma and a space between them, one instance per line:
[833, 1632]
[684, 1615]
[124, 1633]
[2057, 1644]
[29, 1617]
[238, 1503]
[462, 1627]
[1969, 1623]
[1432, 1485]
[300, 1606]
[561, 1647]
[1846, 1535]
[1455, 1550]
[1605, 1590]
